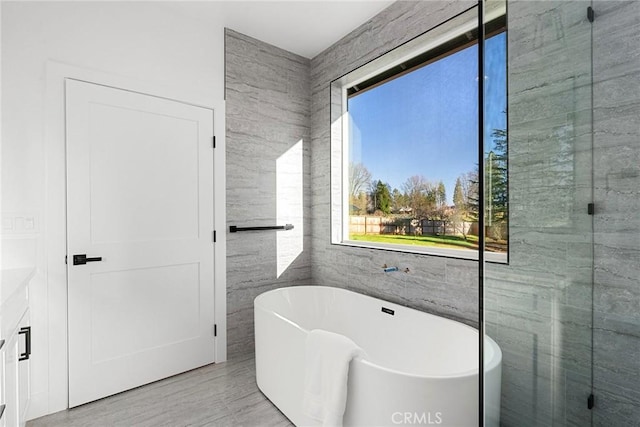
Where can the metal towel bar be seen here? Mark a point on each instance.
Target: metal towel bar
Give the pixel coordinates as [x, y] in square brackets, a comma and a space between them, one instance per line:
[234, 229]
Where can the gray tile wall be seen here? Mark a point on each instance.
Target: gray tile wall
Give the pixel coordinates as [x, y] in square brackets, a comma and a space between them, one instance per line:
[267, 115]
[616, 90]
[439, 285]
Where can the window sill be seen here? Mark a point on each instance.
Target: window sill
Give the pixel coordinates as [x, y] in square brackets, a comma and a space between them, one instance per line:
[498, 258]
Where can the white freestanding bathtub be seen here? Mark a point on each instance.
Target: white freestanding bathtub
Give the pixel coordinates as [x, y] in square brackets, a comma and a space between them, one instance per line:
[420, 369]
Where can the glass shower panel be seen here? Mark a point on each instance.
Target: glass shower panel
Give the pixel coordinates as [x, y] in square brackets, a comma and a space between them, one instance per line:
[538, 306]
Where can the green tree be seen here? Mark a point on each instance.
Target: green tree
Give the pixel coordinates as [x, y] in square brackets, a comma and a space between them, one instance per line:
[382, 197]
[459, 199]
[496, 185]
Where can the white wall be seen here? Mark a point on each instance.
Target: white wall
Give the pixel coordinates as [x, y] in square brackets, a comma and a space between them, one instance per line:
[0, 122]
[142, 45]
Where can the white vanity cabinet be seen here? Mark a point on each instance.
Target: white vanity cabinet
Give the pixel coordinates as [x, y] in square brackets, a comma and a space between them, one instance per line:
[15, 337]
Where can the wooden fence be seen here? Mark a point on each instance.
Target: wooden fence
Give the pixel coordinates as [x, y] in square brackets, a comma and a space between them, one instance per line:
[408, 226]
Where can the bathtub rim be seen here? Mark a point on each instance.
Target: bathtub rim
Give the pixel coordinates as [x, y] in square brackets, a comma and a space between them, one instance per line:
[494, 362]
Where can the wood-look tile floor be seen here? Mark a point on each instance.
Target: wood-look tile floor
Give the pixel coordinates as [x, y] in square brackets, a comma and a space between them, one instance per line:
[216, 395]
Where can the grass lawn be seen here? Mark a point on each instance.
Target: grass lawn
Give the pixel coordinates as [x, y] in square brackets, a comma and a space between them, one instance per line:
[454, 242]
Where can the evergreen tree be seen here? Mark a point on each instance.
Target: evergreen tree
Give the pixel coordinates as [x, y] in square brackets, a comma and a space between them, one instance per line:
[495, 185]
[497, 179]
[382, 197]
[459, 199]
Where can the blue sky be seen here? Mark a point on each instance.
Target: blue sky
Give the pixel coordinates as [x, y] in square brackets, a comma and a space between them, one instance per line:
[426, 122]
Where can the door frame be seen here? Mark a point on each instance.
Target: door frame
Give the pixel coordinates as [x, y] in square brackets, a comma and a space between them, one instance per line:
[55, 335]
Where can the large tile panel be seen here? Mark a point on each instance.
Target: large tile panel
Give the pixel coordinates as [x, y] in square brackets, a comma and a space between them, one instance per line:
[268, 151]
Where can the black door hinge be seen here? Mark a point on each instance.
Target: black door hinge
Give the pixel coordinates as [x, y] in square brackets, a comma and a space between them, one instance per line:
[591, 208]
[214, 142]
[215, 330]
[215, 236]
[591, 401]
[591, 15]
[65, 259]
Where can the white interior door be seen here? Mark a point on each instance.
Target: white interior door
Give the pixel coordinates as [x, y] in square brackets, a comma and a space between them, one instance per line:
[140, 197]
